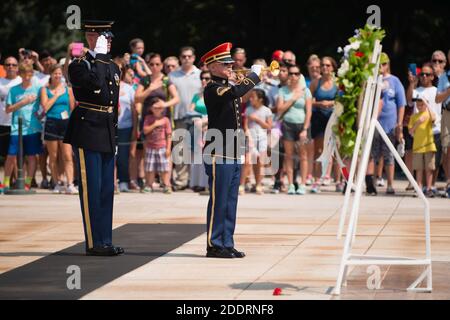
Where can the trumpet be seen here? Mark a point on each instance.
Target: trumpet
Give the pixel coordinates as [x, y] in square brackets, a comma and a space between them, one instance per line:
[273, 68]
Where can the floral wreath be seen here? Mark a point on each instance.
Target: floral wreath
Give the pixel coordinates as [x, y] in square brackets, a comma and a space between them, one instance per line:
[354, 71]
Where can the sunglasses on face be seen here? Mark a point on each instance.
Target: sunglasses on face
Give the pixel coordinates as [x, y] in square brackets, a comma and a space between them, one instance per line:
[10, 65]
[326, 65]
[205, 78]
[294, 74]
[154, 64]
[438, 61]
[425, 74]
[186, 56]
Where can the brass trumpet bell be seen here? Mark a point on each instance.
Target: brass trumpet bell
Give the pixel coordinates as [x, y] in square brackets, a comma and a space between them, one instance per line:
[273, 68]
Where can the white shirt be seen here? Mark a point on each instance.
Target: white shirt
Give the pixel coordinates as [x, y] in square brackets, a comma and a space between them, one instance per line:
[430, 95]
[40, 78]
[93, 53]
[126, 100]
[187, 85]
[5, 85]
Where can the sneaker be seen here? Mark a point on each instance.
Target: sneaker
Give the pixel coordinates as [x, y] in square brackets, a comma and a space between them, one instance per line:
[241, 190]
[291, 189]
[315, 188]
[45, 184]
[59, 188]
[325, 181]
[380, 182]
[259, 189]
[33, 183]
[435, 191]
[123, 187]
[340, 187]
[390, 190]
[71, 189]
[309, 180]
[140, 183]
[147, 189]
[409, 187]
[301, 189]
[429, 193]
[167, 190]
[133, 185]
[6, 189]
[276, 187]
[275, 190]
[28, 187]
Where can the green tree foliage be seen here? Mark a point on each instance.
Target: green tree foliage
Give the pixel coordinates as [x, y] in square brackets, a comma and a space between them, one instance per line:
[413, 29]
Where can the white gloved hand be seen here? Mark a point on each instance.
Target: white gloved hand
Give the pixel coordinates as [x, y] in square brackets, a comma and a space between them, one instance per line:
[256, 68]
[102, 45]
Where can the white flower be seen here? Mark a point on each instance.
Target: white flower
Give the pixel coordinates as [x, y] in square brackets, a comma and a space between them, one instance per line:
[355, 45]
[347, 83]
[345, 66]
[339, 50]
[347, 51]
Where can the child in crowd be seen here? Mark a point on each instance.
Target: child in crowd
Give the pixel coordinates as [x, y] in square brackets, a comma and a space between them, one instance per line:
[158, 140]
[138, 63]
[257, 125]
[421, 128]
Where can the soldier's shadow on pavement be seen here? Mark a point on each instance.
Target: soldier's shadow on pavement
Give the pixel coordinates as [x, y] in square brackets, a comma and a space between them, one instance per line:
[49, 276]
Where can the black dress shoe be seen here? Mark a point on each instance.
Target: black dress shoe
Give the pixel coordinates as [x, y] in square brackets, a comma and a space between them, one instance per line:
[237, 254]
[214, 252]
[119, 250]
[105, 251]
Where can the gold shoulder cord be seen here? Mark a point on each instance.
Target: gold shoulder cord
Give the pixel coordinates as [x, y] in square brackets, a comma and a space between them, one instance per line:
[221, 90]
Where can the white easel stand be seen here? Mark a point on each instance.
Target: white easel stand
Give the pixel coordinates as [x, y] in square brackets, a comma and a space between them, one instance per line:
[368, 123]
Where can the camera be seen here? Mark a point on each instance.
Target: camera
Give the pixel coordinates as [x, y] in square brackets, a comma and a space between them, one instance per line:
[26, 52]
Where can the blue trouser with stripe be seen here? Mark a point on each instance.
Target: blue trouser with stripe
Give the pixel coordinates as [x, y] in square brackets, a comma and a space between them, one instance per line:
[223, 179]
[96, 189]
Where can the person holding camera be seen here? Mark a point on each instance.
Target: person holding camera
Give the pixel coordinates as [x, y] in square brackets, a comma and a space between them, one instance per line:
[31, 57]
[423, 83]
[443, 96]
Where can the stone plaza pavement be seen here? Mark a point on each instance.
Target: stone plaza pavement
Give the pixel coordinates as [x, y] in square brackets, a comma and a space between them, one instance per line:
[290, 242]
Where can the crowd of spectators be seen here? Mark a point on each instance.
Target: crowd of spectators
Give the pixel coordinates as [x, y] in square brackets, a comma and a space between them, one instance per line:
[283, 116]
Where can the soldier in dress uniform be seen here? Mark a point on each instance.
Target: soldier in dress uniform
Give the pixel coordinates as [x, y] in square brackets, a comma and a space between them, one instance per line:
[92, 133]
[223, 151]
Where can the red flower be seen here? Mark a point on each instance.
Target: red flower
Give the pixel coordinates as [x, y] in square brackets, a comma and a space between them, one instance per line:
[359, 54]
[277, 292]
